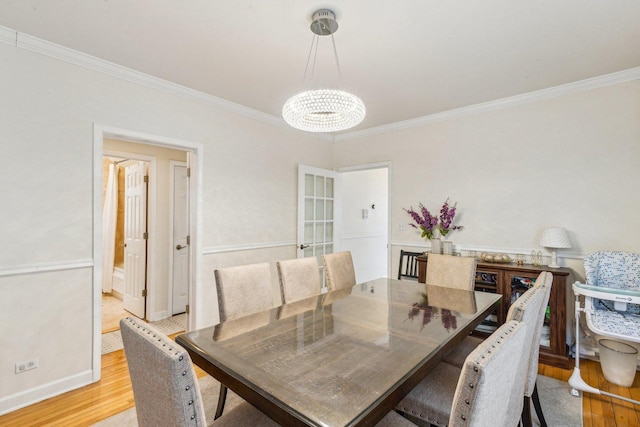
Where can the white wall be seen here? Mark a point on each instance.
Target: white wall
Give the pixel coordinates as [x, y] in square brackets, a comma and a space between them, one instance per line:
[47, 111]
[570, 161]
[366, 238]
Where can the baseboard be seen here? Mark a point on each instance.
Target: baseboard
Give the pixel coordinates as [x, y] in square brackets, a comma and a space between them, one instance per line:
[117, 294]
[158, 315]
[117, 286]
[45, 391]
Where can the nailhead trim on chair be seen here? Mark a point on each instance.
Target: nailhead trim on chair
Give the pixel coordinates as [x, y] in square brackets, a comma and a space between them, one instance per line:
[189, 395]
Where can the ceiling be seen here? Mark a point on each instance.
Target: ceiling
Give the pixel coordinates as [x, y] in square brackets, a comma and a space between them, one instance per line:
[405, 59]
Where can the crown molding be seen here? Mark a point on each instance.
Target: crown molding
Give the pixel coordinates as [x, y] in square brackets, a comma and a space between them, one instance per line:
[8, 36]
[65, 54]
[34, 44]
[539, 95]
[44, 47]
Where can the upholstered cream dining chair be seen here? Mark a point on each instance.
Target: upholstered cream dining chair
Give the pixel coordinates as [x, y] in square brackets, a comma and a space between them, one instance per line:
[339, 271]
[451, 271]
[478, 394]
[423, 400]
[459, 354]
[165, 387]
[244, 290]
[245, 294]
[300, 285]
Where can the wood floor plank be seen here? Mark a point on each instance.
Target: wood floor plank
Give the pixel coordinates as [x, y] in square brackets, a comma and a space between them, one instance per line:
[113, 394]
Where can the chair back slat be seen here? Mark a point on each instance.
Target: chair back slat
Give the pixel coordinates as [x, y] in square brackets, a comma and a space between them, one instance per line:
[408, 265]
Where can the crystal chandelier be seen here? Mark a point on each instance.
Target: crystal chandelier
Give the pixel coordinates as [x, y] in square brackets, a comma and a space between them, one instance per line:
[323, 110]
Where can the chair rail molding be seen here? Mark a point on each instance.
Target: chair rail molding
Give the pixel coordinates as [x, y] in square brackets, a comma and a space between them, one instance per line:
[479, 249]
[247, 247]
[45, 267]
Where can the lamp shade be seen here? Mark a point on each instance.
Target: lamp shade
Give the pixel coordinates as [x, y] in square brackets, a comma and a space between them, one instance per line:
[555, 237]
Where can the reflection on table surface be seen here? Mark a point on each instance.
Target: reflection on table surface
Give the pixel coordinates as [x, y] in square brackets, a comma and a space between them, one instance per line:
[333, 363]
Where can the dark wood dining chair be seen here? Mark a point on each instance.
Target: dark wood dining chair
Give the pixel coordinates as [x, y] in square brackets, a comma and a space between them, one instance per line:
[408, 265]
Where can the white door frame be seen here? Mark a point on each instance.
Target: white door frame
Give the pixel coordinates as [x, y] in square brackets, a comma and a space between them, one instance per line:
[379, 165]
[196, 155]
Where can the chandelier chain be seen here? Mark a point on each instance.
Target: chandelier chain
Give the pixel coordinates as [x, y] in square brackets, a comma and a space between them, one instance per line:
[335, 54]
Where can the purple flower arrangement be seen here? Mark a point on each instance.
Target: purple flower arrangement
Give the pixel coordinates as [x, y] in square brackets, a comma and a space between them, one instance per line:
[427, 223]
[447, 213]
[423, 221]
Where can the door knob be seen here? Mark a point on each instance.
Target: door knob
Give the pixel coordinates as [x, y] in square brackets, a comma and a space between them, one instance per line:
[302, 247]
[178, 247]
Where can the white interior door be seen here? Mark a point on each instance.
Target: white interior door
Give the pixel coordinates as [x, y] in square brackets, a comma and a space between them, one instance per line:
[180, 266]
[135, 234]
[317, 208]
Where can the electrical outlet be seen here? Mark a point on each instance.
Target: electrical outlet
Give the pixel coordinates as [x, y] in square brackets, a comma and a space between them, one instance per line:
[26, 366]
[402, 226]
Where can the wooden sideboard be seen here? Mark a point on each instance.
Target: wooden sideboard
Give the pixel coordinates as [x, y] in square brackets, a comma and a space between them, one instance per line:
[511, 280]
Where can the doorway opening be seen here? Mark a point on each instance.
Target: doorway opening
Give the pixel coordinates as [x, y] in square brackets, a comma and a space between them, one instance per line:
[159, 273]
[364, 218]
[346, 210]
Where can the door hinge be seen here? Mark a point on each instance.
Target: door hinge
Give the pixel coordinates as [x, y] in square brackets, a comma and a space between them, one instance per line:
[188, 172]
[146, 178]
[188, 240]
[144, 293]
[145, 235]
[187, 309]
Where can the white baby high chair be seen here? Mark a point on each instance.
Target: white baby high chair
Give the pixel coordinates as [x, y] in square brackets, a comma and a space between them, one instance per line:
[611, 305]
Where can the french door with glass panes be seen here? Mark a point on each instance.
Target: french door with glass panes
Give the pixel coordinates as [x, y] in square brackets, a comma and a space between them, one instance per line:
[317, 207]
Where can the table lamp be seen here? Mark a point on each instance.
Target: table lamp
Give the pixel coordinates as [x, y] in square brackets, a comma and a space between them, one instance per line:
[555, 238]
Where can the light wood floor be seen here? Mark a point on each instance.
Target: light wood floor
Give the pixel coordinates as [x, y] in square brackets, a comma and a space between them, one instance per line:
[113, 394]
[112, 312]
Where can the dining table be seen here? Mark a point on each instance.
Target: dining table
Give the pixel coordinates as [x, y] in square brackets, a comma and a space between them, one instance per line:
[343, 358]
